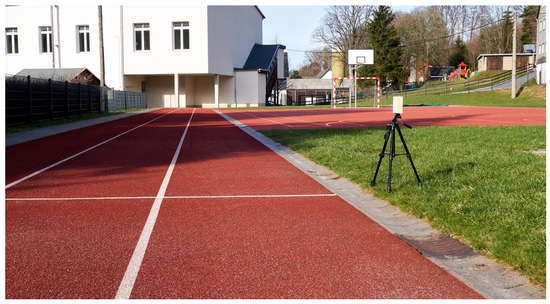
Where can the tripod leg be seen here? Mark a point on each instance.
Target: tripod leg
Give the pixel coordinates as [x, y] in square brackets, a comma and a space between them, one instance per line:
[409, 157]
[392, 153]
[373, 182]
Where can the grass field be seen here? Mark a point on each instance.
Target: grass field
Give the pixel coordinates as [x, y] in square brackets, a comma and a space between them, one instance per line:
[532, 96]
[480, 184]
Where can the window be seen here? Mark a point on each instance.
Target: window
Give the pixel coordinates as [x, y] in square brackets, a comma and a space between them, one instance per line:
[46, 44]
[181, 35]
[83, 39]
[12, 41]
[142, 37]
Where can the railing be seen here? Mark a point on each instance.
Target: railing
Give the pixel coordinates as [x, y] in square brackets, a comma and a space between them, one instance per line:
[446, 87]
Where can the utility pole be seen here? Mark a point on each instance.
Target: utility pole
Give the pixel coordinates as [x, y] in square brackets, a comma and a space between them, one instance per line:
[101, 59]
[514, 58]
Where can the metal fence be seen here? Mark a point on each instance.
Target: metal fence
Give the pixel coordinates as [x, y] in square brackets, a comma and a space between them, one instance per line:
[31, 100]
[123, 100]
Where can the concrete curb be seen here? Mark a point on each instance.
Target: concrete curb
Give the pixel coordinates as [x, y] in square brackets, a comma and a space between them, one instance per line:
[25, 136]
[489, 278]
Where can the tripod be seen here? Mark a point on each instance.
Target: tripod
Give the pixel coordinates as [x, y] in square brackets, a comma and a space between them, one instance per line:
[390, 133]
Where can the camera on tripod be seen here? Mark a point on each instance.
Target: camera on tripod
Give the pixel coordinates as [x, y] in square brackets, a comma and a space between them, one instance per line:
[390, 134]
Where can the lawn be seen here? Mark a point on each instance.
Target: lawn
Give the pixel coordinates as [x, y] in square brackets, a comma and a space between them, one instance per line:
[480, 184]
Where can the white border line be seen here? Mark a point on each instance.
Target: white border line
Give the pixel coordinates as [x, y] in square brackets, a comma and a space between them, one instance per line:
[130, 276]
[82, 152]
[168, 197]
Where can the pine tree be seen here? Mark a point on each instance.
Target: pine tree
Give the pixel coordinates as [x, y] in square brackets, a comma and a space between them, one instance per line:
[459, 54]
[385, 41]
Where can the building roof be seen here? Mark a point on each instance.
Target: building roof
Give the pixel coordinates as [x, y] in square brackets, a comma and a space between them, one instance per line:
[314, 84]
[261, 56]
[506, 54]
[78, 75]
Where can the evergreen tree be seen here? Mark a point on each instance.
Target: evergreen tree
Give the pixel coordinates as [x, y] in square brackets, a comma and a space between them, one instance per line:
[385, 41]
[459, 54]
[529, 20]
[295, 75]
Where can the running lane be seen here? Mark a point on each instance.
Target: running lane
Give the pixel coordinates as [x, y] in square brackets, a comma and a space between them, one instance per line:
[238, 221]
[71, 229]
[371, 117]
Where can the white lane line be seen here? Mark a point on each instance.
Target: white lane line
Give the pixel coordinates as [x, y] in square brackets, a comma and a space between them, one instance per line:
[280, 123]
[127, 284]
[167, 197]
[82, 152]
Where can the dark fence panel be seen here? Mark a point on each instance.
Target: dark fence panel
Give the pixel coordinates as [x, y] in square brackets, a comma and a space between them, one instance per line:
[31, 100]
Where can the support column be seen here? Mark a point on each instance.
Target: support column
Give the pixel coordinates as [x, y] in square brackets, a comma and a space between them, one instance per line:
[177, 89]
[217, 90]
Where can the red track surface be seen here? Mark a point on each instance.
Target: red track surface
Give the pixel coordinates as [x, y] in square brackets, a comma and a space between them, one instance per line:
[374, 117]
[236, 221]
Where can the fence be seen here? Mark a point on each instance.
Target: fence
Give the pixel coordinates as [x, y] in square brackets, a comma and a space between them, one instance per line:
[31, 100]
[123, 100]
[448, 87]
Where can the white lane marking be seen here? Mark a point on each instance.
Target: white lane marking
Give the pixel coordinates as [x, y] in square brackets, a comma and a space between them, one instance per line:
[280, 123]
[82, 152]
[167, 197]
[127, 283]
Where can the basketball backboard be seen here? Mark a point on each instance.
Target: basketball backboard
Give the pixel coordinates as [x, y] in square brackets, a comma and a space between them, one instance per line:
[360, 57]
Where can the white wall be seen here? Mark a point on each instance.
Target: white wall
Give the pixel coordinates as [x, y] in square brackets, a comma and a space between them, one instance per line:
[232, 32]
[162, 59]
[250, 88]
[27, 20]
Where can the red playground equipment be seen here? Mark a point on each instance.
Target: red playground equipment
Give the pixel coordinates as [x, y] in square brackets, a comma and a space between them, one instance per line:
[462, 72]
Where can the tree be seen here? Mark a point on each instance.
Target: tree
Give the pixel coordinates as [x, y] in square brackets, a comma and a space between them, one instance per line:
[295, 75]
[459, 54]
[385, 41]
[344, 28]
[316, 61]
[529, 21]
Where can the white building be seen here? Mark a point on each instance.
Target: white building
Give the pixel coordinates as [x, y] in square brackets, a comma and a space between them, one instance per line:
[541, 45]
[181, 56]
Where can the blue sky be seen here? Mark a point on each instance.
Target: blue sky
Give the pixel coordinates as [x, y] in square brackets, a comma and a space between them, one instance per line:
[293, 26]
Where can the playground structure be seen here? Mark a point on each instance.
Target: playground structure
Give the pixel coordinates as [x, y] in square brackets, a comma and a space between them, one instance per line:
[461, 72]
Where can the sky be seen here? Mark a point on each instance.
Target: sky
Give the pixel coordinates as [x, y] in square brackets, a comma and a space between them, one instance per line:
[293, 26]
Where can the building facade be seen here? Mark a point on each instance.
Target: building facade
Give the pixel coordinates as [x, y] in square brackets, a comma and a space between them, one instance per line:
[181, 56]
[541, 45]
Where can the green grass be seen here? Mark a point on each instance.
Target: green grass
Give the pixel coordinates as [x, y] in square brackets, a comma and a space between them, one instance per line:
[48, 123]
[479, 183]
[532, 96]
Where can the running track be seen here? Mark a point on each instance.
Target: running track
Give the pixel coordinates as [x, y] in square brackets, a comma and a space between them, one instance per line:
[182, 204]
[379, 117]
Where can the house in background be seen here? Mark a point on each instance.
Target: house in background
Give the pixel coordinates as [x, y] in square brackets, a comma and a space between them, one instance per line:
[503, 62]
[181, 56]
[72, 75]
[541, 45]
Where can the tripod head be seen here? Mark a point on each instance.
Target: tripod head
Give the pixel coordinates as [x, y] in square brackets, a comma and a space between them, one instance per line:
[395, 120]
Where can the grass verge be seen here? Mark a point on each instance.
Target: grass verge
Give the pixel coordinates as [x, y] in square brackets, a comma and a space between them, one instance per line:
[480, 184]
[48, 123]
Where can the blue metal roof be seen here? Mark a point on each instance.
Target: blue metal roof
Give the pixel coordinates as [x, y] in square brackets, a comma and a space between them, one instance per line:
[261, 56]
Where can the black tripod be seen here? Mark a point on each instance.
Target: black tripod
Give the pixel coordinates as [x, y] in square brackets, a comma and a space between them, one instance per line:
[391, 133]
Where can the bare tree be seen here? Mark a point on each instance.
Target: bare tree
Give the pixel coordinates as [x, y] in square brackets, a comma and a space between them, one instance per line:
[344, 28]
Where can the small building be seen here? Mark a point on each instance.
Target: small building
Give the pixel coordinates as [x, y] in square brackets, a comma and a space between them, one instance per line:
[503, 62]
[76, 75]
